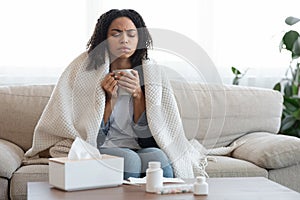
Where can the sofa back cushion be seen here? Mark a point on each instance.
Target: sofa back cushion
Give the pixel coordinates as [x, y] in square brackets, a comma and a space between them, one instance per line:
[20, 110]
[216, 115]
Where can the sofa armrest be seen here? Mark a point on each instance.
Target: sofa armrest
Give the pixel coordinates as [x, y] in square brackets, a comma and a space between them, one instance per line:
[10, 158]
[268, 150]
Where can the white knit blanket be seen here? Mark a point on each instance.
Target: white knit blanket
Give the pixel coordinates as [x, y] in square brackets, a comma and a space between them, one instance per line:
[76, 108]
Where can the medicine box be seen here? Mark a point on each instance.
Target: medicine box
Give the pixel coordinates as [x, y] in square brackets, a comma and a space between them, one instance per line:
[83, 174]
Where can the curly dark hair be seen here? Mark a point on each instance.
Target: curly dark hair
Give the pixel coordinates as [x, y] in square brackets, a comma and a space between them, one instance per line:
[97, 45]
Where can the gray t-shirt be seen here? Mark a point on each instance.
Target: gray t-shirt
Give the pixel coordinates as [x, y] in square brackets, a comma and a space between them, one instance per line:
[120, 130]
[121, 133]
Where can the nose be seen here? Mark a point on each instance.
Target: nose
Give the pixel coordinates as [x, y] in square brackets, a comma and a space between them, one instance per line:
[124, 39]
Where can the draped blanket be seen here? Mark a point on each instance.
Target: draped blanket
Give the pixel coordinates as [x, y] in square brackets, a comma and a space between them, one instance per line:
[76, 108]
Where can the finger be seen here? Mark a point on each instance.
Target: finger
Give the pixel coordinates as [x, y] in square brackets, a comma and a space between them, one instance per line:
[130, 83]
[112, 82]
[130, 90]
[109, 84]
[135, 73]
[118, 75]
[126, 85]
[113, 92]
[112, 86]
[107, 79]
[110, 79]
[115, 89]
[128, 74]
[131, 80]
[108, 76]
[106, 84]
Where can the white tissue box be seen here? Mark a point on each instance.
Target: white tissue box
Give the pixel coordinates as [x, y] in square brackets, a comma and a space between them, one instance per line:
[83, 174]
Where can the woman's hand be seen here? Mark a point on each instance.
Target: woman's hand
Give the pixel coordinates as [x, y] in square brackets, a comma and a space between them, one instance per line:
[110, 86]
[130, 82]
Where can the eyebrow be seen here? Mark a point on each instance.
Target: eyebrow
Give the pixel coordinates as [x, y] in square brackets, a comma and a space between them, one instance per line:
[118, 30]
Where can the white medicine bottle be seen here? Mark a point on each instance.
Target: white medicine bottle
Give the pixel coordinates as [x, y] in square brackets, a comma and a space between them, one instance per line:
[154, 176]
[201, 186]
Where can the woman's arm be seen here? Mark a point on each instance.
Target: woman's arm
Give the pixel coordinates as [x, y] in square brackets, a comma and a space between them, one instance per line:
[139, 105]
[109, 85]
[107, 111]
[103, 131]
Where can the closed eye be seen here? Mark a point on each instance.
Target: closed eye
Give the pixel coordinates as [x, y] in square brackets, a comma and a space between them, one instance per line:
[131, 33]
[116, 34]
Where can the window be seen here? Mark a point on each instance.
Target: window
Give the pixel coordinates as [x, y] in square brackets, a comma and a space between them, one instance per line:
[247, 35]
[40, 38]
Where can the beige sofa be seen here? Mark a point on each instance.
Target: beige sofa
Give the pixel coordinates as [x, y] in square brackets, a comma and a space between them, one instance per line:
[215, 115]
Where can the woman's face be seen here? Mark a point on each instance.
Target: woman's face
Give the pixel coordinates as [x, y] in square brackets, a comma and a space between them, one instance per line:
[122, 37]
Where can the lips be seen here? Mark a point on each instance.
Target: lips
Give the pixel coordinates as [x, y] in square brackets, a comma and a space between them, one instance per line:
[124, 49]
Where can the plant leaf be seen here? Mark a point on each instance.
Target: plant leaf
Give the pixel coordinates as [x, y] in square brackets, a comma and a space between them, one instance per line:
[287, 123]
[289, 38]
[291, 20]
[288, 89]
[296, 49]
[295, 89]
[296, 114]
[294, 130]
[235, 71]
[286, 113]
[290, 104]
[297, 131]
[277, 87]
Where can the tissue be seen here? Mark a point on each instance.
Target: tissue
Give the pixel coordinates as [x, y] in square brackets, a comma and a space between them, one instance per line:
[80, 149]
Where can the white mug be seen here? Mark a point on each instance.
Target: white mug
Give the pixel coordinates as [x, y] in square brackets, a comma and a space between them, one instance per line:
[122, 91]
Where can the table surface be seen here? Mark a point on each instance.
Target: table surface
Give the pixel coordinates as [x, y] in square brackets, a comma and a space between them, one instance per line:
[246, 188]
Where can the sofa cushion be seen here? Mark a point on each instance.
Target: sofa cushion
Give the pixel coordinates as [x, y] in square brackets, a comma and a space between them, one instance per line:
[269, 151]
[4, 189]
[288, 176]
[20, 110]
[30, 173]
[11, 158]
[218, 114]
[231, 167]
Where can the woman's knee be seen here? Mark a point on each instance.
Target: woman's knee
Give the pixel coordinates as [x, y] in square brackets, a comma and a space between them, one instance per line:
[155, 154]
[132, 161]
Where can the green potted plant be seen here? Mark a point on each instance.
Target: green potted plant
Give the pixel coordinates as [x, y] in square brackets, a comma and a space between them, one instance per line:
[237, 75]
[289, 86]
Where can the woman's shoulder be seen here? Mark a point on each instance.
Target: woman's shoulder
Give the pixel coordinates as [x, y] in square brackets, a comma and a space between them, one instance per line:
[81, 57]
[75, 65]
[153, 65]
[79, 60]
[149, 61]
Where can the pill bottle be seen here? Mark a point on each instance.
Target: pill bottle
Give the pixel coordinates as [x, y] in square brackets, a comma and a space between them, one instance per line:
[154, 177]
[201, 186]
